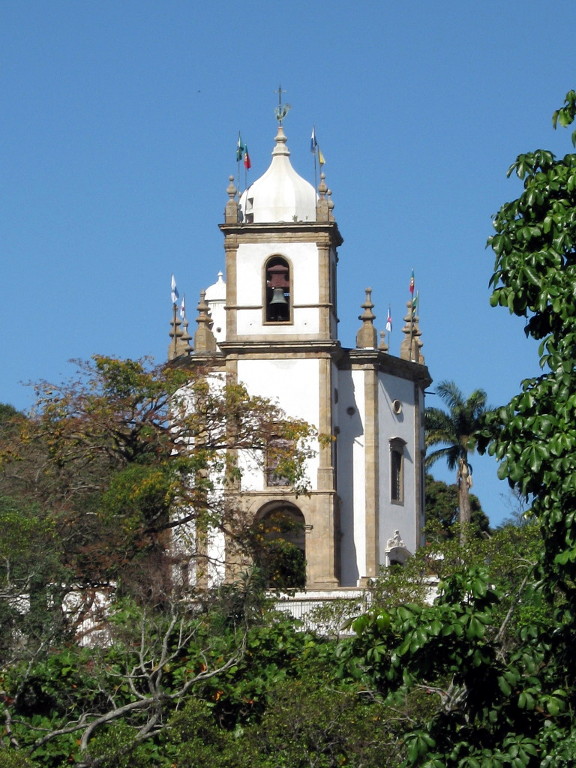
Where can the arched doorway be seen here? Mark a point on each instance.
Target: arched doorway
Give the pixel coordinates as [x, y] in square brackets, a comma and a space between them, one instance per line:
[280, 549]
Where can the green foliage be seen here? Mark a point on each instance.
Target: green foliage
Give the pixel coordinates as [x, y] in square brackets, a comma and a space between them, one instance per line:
[241, 694]
[32, 579]
[456, 431]
[566, 114]
[107, 465]
[489, 705]
[456, 427]
[92, 482]
[241, 686]
[442, 513]
[482, 678]
[535, 270]
[139, 496]
[283, 565]
[10, 758]
[329, 727]
[116, 748]
[496, 661]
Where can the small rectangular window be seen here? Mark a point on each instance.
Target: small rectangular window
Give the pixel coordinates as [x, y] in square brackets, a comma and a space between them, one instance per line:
[397, 471]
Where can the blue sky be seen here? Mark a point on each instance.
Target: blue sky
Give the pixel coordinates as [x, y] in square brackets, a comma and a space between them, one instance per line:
[117, 136]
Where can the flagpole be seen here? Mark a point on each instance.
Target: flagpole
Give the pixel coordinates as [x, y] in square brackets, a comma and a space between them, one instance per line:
[175, 310]
[315, 172]
[315, 152]
[412, 308]
[239, 153]
[315, 160]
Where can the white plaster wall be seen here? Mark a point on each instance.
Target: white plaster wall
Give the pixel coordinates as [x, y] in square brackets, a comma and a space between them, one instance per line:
[218, 315]
[295, 384]
[350, 475]
[250, 467]
[401, 517]
[303, 258]
[216, 551]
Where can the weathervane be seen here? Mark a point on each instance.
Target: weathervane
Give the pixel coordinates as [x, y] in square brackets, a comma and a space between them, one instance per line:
[282, 109]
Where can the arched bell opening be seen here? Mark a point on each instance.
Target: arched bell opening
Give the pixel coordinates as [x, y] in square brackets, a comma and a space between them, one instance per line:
[280, 546]
[278, 291]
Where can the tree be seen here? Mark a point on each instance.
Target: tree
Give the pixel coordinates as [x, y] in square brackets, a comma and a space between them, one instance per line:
[504, 681]
[493, 701]
[127, 453]
[534, 277]
[457, 432]
[441, 505]
[108, 488]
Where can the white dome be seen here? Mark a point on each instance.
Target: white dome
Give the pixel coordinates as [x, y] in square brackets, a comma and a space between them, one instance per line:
[215, 297]
[280, 194]
[217, 291]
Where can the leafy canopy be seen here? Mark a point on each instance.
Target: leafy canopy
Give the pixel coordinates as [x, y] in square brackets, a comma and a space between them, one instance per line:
[456, 428]
[534, 436]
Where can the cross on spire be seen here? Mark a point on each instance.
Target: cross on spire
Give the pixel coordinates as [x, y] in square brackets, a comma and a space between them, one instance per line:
[282, 109]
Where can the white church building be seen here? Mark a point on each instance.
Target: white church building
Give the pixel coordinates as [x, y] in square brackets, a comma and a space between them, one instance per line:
[271, 322]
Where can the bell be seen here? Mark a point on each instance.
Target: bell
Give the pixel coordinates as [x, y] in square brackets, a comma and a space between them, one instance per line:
[278, 296]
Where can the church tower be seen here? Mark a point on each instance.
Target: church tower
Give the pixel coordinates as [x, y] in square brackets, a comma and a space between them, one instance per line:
[272, 325]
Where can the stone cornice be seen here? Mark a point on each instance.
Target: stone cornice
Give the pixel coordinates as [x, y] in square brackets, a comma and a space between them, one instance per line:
[385, 363]
[289, 231]
[273, 348]
[345, 359]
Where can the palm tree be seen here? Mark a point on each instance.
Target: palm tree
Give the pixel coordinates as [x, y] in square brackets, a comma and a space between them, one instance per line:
[456, 430]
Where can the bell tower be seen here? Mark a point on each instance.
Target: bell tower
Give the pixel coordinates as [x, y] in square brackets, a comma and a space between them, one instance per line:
[281, 242]
[273, 325]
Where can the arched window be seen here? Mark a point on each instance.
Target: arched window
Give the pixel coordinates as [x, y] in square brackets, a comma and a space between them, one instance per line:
[280, 549]
[278, 291]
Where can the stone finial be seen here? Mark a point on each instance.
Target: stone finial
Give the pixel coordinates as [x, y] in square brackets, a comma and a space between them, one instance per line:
[366, 337]
[411, 344]
[204, 339]
[180, 338]
[330, 205]
[232, 210]
[186, 338]
[322, 209]
[383, 346]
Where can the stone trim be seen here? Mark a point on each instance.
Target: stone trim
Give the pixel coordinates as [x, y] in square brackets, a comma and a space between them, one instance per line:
[355, 359]
[290, 231]
[271, 347]
[325, 479]
[371, 480]
[419, 452]
[286, 322]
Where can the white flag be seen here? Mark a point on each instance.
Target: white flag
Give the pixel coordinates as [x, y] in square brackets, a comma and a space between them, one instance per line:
[174, 290]
[389, 321]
